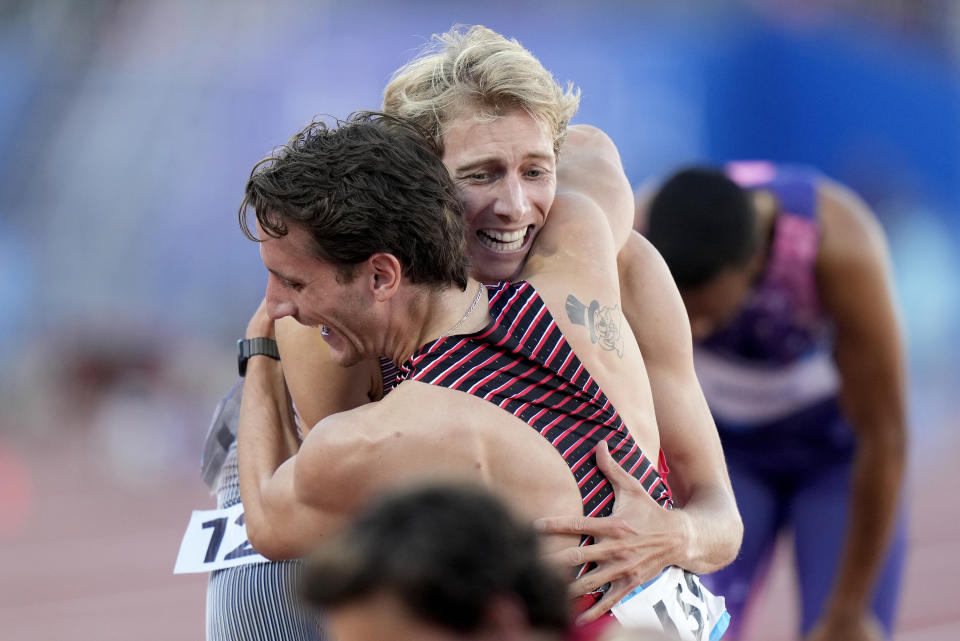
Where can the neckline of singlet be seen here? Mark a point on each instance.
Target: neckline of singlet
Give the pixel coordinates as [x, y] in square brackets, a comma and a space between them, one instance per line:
[491, 325]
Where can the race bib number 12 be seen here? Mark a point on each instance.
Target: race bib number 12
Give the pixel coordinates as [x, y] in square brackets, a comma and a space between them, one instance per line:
[214, 540]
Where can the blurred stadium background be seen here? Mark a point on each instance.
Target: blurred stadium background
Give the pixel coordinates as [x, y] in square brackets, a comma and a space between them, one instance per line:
[127, 130]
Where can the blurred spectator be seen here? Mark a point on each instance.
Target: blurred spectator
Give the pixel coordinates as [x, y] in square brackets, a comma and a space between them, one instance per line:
[439, 563]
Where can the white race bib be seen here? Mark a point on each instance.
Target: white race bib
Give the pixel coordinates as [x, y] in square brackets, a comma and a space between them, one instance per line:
[676, 603]
[214, 540]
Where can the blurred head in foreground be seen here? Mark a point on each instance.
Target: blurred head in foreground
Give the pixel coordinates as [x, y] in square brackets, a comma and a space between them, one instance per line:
[436, 563]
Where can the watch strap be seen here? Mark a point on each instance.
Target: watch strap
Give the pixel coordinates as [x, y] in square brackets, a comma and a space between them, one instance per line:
[260, 346]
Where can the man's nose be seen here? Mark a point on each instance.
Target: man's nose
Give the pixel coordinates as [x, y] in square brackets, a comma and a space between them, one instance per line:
[513, 203]
[278, 303]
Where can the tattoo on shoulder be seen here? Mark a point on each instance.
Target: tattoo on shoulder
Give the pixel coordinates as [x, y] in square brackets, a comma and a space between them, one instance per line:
[602, 322]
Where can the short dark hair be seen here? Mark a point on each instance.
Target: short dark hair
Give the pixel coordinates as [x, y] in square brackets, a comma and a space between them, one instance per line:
[445, 551]
[701, 222]
[372, 183]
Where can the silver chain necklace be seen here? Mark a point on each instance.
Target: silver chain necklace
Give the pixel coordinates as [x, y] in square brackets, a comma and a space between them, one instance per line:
[473, 306]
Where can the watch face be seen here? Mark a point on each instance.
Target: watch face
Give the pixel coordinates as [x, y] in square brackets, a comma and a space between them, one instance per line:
[242, 355]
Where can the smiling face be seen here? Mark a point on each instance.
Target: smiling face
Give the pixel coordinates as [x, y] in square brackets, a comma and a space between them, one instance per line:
[314, 292]
[505, 171]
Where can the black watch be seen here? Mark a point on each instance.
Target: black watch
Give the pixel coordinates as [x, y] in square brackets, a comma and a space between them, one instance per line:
[247, 347]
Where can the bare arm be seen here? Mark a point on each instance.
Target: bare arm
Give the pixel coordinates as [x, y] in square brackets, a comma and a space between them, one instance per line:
[318, 386]
[267, 445]
[855, 287]
[641, 538]
[293, 493]
[292, 499]
[699, 479]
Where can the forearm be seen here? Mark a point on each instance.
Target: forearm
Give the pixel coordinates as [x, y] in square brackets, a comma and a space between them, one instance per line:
[707, 524]
[876, 480]
[698, 478]
[711, 531]
[266, 438]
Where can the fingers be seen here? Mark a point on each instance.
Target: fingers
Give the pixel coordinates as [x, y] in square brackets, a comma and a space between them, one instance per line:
[578, 555]
[598, 527]
[596, 579]
[562, 525]
[610, 599]
[621, 479]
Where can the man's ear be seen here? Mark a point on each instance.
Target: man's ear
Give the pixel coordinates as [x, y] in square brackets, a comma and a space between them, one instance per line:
[385, 274]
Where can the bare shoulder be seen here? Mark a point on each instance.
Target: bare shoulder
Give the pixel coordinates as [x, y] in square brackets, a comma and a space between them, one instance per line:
[850, 229]
[590, 166]
[853, 264]
[593, 139]
[409, 435]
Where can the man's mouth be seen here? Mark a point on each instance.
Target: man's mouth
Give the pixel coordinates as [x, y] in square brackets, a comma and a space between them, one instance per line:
[504, 241]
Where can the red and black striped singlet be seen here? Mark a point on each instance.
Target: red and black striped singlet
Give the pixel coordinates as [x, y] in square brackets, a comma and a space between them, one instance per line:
[522, 363]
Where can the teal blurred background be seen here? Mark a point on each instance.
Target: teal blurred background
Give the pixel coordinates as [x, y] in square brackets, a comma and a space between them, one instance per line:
[127, 130]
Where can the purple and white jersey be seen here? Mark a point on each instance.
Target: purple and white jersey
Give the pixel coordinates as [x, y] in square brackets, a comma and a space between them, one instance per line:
[775, 357]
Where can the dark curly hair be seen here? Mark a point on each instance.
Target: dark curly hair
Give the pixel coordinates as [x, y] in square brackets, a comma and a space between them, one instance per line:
[446, 551]
[372, 183]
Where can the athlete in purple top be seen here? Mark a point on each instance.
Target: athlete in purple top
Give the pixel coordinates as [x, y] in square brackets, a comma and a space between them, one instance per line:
[786, 280]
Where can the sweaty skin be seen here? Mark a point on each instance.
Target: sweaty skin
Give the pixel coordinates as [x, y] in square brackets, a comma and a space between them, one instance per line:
[640, 539]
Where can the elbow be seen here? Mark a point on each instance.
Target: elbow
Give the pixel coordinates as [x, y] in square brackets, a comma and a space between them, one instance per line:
[258, 538]
[717, 543]
[728, 543]
[734, 539]
[265, 541]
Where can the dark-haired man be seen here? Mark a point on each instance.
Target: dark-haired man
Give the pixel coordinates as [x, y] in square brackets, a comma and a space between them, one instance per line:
[785, 277]
[432, 562]
[507, 185]
[361, 232]
[439, 562]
